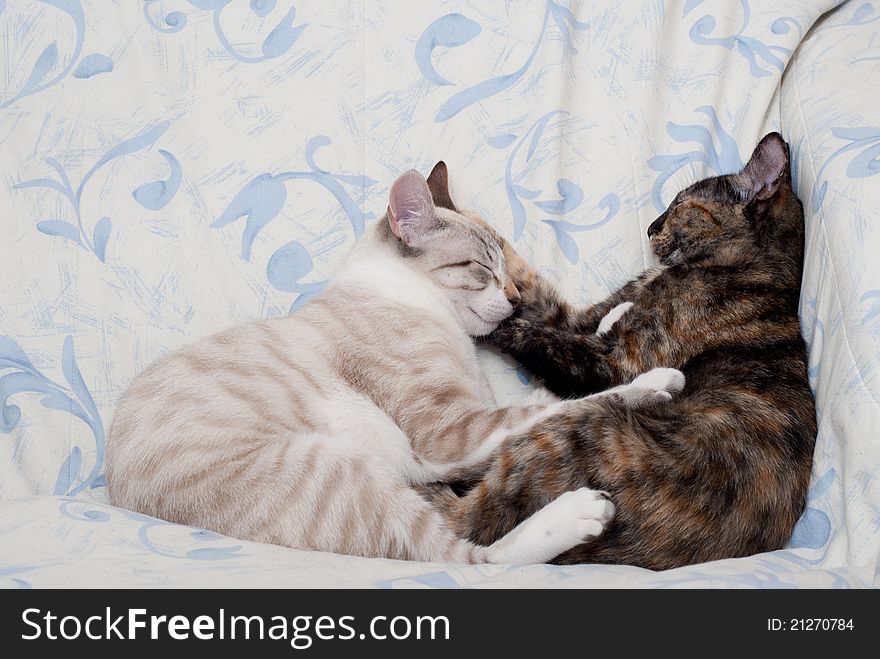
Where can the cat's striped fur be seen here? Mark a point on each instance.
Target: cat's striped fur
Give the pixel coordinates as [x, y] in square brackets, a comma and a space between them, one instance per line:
[314, 430]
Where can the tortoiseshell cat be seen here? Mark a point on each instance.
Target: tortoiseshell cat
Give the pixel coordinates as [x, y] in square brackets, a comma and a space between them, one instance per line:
[722, 469]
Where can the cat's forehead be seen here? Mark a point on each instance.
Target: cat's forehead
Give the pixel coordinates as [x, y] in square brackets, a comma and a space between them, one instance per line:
[715, 188]
[469, 228]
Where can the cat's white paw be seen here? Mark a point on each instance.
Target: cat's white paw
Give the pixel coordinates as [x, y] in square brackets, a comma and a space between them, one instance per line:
[662, 380]
[540, 396]
[569, 520]
[612, 317]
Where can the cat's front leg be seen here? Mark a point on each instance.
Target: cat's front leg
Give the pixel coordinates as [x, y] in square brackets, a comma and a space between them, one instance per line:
[540, 396]
[658, 384]
[466, 449]
[608, 321]
[557, 342]
[471, 461]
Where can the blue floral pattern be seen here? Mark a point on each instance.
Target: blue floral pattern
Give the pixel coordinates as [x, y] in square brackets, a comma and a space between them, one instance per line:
[455, 30]
[152, 196]
[278, 42]
[19, 375]
[761, 56]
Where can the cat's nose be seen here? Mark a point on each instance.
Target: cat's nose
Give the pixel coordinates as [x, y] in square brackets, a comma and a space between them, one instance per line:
[511, 292]
[656, 225]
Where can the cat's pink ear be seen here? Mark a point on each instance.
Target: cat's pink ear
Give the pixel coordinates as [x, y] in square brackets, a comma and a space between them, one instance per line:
[410, 209]
[767, 169]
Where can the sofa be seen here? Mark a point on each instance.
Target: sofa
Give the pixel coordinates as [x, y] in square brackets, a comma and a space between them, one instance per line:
[171, 168]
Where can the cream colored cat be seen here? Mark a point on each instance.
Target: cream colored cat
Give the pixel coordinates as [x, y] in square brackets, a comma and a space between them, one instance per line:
[311, 431]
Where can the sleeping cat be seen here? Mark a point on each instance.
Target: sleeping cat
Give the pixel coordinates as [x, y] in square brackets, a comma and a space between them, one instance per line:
[722, 469]
[311, 431]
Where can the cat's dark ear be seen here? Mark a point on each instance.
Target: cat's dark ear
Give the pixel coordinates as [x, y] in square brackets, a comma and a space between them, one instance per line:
[410, 209]
[766, 170]
[438, 183]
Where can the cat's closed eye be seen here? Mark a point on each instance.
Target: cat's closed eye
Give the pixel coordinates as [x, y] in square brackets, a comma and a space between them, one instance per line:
[481, 272]
[483, 266]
